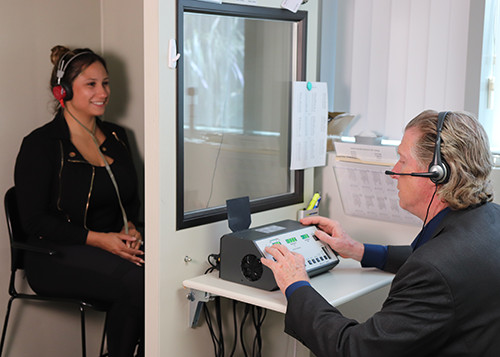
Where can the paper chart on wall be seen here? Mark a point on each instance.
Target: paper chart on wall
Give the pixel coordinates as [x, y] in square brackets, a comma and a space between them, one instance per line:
[366, 191]
[309, 125]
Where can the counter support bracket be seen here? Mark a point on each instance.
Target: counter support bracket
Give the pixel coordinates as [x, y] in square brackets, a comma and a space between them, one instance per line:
[196, 300]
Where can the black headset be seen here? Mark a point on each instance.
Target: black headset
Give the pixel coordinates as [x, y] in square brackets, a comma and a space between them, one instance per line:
[62, 91]
[439, 172]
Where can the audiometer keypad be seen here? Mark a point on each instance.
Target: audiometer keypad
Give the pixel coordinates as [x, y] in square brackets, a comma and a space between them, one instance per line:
[302, 241]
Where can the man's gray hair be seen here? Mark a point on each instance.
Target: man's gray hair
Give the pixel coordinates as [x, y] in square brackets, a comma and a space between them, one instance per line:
[466, 150]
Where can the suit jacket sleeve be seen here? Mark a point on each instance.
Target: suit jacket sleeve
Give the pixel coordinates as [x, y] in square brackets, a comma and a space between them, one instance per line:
[414, 320]
[396, 257]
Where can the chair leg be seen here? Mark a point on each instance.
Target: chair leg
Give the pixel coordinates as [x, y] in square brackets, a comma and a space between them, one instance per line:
[82, 315]
[6, 322]
[84, 343]
[101, 353]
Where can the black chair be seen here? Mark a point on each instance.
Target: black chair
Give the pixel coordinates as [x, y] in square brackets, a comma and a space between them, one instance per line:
[18, 246]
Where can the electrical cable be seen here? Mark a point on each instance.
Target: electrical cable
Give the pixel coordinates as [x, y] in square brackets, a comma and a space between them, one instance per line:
[218, 342]
[217, 335]
[235, 329]
[429, 206]
[425, 219]
[215, 340]
[214, 171]
[213, 265]
[245, 315]
[219, 323]
[108, 168]
[258, 316]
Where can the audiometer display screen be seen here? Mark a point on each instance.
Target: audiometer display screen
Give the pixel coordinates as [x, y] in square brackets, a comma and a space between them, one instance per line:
[302, 241]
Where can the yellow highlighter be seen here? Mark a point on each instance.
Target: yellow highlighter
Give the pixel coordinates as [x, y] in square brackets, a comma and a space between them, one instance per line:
[314, 199]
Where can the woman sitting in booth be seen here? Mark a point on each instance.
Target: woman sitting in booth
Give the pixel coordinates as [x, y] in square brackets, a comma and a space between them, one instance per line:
[78, 194]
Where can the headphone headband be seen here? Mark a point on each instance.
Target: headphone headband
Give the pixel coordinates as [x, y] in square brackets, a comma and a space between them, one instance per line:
[441, 117]
[438, 166]
[61, 67]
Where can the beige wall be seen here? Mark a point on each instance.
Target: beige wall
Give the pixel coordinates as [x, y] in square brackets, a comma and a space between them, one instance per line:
[29, 29]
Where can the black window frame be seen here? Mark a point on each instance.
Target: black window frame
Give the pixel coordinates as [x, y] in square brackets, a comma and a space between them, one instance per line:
[214, 214]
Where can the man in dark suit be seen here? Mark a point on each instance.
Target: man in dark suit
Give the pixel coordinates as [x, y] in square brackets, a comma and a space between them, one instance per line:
[445, 297]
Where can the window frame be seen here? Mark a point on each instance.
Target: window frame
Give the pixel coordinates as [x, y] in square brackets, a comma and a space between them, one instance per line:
[214, 214]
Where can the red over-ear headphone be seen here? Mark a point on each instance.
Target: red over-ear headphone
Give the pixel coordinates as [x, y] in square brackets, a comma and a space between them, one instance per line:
[59, 94]
[62, 91]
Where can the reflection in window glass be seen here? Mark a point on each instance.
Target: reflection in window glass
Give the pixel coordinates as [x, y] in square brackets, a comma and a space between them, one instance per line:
[214, 53]
[237, 85]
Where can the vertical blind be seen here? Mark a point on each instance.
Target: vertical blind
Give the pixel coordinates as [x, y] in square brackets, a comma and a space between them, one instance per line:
[396, 58]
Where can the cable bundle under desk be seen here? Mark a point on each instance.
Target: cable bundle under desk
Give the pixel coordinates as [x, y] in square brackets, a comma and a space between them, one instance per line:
[257, 314]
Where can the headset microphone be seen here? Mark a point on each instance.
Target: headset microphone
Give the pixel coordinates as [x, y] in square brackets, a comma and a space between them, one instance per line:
[416, 174]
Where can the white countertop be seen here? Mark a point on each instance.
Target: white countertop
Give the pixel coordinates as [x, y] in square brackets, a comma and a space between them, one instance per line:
[343, 283]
